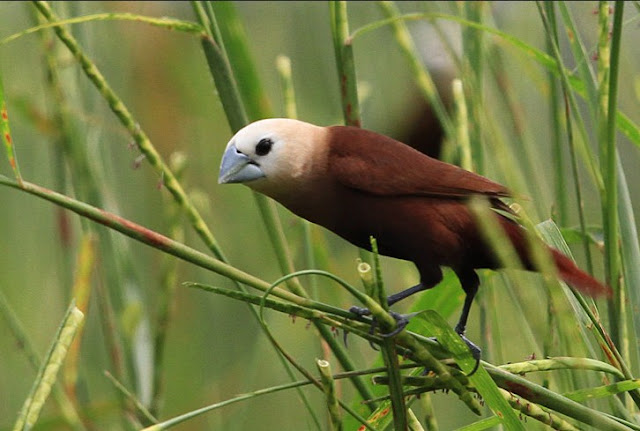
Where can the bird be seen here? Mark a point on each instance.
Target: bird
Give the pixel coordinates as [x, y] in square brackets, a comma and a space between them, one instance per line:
[361, 184]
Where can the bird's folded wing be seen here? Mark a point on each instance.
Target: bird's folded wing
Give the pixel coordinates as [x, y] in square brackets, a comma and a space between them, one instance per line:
[379, 165]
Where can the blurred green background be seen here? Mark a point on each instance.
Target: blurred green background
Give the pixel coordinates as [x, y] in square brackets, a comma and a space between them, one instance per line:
[214, 348]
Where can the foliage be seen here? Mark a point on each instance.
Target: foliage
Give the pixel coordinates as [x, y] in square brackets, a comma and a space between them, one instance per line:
[113, 115]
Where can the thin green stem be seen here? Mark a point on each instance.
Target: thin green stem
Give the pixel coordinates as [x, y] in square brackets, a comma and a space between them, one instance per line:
[328, 385]
[163, 22]
[472, 74]
[165, 306]
[608, 87]
[555, 116]
[388, 350]
[345, 62]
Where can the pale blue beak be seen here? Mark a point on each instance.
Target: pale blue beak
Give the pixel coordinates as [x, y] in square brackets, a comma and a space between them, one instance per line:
[237, 167]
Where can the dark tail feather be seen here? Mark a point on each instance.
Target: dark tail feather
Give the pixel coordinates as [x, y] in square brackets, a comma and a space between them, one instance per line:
[567, 270]
[575, 277]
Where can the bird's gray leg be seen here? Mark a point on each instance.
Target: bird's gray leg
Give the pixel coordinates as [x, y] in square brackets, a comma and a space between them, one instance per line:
[428, 279]
[391, 299]
[470, 282]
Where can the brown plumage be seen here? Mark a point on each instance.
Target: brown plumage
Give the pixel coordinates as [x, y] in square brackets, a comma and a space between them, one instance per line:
[358, 184]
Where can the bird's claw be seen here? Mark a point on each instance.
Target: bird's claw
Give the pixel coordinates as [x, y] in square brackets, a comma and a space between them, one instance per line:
[401, 320]
[360, 311]
[476, 352]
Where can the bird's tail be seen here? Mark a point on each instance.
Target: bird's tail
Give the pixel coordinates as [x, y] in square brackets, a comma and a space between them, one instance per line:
[575, 277]
[567, 269]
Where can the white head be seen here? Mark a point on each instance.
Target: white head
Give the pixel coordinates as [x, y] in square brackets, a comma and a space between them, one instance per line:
[273, 154]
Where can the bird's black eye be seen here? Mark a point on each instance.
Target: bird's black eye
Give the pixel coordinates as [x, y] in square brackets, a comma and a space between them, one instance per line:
[264, 146]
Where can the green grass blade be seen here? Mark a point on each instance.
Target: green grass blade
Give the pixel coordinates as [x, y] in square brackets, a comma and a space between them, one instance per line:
[143, 413]
[237, 49]
[163, 22]
[49, 369]
[165, 307]
[608, 54]
[630, 248]
[6, 134]
[481, 425]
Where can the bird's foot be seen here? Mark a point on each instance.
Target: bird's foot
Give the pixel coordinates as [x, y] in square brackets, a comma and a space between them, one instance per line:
[476, 352]
[401, 320]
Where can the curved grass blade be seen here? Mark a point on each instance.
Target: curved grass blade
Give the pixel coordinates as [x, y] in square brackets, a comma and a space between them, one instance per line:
[560, 363]
[163, 22]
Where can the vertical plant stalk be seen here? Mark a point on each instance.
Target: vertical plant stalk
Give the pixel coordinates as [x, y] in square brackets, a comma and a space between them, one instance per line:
[462, 125]
[328, 386]
[631, 257]
[283, 64]
[429, 416]
[586, 74]
[612, 239]
[547, 13]
[343, 48]
[81, 291]
[472, 73]
[234, 107]
[608, 54]
[169, 280]
[586, 306]
[236, 47]
[388, 350]
[554, 117]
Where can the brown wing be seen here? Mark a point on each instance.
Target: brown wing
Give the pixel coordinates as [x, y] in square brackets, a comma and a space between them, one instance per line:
[376, 164]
